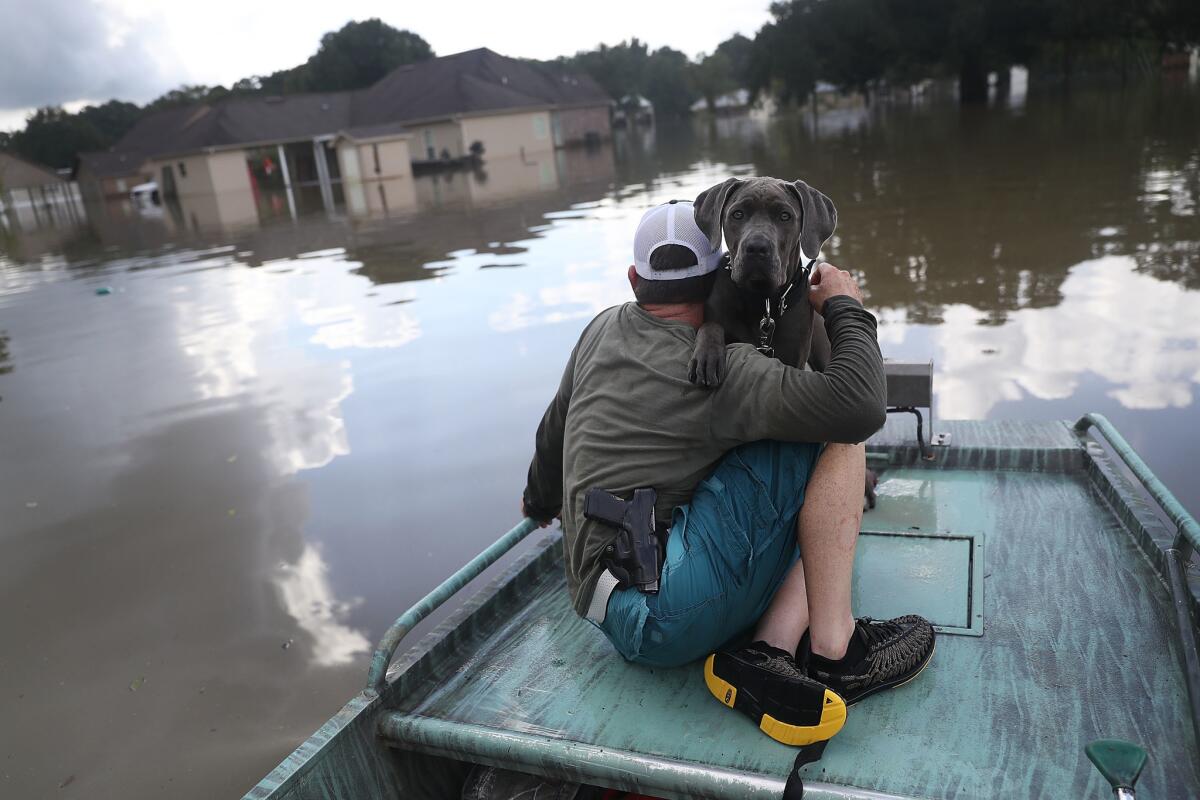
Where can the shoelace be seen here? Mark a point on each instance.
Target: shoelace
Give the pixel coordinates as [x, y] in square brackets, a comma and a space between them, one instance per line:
[899, 653]
[875, 631]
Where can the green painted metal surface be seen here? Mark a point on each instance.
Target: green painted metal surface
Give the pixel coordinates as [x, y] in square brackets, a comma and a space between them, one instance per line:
[937, 575]
[1079, 645]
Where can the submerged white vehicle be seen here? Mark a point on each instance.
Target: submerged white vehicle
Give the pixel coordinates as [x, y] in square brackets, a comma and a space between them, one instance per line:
[145, 197]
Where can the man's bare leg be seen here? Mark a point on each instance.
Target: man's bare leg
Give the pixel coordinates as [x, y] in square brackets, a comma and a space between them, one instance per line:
[816, 592]
[829, 523]
[786, 618]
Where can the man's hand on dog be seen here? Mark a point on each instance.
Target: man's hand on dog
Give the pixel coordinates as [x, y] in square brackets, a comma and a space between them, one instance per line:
[828, 281]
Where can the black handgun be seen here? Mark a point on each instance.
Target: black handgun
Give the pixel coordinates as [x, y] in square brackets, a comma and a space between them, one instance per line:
[635, 556]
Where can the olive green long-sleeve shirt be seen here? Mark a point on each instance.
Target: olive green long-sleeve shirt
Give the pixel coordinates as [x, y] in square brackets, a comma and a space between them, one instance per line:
[626, 416]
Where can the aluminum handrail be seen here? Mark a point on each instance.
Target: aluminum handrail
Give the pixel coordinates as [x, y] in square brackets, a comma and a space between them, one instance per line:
[382, 657]
[1186, 526]
[1176, 557]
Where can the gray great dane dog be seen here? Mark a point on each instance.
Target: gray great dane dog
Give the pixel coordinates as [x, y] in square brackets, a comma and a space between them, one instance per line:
[773, 230]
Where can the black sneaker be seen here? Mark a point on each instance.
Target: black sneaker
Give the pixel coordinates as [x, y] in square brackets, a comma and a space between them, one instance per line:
[882, 654]
[765, 684]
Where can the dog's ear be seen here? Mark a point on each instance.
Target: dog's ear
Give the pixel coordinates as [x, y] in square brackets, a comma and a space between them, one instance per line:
[709, 207]
[820, 217]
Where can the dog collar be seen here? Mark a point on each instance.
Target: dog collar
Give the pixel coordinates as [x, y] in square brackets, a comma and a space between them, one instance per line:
[766, 326]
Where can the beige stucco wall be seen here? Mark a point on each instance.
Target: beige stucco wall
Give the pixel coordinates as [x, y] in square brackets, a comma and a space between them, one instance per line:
[228, 172]
[377, 176]
[575, 125]
[509, 134]
[215, 192]
[441, 135]
[385, 159]
[206, 173]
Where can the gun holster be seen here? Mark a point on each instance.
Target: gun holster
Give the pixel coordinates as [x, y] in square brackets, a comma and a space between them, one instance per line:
[635, 556]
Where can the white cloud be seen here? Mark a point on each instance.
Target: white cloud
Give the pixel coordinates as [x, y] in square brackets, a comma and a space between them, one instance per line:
[1127, 328]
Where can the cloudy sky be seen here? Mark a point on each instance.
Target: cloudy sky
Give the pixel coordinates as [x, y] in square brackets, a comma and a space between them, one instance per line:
[71, 52]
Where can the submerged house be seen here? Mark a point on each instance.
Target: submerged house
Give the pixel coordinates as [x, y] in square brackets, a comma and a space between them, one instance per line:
[33, 193]
[244, 149]
[355, 147]
[509, 106]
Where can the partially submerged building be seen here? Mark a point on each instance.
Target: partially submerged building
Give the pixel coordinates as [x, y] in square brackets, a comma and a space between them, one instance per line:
[33, 193]
[272, 153]
[509, 107]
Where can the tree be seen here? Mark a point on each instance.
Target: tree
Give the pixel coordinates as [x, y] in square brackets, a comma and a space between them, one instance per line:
[187, 95]
[620, 69]
[858, 43]
[738, 51]
[713, 77]
[667, 82]
[664, 77]
[112, 119]
[356, 56]
[52, 137]
[783, 61]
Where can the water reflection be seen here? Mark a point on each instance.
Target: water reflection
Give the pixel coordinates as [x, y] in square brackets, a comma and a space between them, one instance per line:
[309, 597]
[1132, 331]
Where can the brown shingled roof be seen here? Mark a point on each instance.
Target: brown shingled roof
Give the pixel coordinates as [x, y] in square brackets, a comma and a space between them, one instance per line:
[465, 83]
[471, 82]
[109, 164]
[238, 121]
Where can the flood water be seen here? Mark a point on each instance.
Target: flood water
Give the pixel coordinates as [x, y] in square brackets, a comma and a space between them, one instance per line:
[222, 481]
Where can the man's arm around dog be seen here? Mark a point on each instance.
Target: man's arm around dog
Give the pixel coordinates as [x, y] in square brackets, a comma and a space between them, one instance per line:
[764, 398]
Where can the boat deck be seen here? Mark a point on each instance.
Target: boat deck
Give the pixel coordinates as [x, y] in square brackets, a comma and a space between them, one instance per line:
[1077, 644]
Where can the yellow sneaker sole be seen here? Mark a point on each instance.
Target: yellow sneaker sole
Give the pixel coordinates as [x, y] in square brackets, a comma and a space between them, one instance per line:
[833, 714]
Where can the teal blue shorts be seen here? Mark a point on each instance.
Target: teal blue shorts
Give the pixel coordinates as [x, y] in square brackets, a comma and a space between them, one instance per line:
[729, 550]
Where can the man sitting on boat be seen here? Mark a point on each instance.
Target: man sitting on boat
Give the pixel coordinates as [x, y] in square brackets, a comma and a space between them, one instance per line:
[759, 519]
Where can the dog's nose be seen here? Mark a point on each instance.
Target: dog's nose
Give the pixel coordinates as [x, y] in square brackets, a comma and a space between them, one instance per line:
[757, 247]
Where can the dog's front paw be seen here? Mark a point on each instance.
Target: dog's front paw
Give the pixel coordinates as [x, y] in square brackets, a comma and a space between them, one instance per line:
[707, 366]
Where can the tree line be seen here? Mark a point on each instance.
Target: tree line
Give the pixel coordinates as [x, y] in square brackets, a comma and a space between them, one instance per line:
[855, 45]
[865, 45]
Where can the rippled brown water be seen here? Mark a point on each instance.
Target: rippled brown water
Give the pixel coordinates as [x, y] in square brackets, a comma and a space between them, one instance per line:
[221, 482]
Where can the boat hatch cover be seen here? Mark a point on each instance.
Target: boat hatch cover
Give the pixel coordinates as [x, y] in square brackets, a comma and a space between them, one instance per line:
[937, 575]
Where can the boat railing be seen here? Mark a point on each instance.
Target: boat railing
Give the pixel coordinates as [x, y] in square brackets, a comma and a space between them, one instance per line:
[382, 657]
[1187, 530]
[1177, 556]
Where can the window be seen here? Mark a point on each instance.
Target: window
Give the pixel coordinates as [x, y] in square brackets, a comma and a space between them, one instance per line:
[539, 126]
[375, 152]
[182, 169]
[429, 149]
[120, 184]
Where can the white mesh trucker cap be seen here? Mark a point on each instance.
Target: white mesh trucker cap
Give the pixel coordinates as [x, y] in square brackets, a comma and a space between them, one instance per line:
[672, 223]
